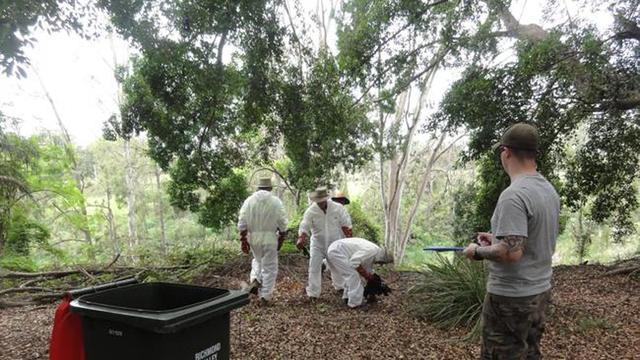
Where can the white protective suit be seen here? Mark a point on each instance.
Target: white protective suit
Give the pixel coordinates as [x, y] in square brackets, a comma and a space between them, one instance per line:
[262, 215]
[346, 255]
[325, 229]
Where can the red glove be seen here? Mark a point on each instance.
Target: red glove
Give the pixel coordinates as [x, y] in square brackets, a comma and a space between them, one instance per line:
[245, 246]
[364, 273]
[301, 240]
[281, 239]
[244, 242]
[347, 232]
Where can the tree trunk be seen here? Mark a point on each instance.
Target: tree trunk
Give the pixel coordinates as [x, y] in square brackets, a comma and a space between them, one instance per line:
[131, 198]
[426, 182]
[399, 165]
[279, 191]
[77, 174]
[163, 236]
[393, 188]
[2, 240]
[298, 196]
[112, 225]
[91, 253]
[582, 236]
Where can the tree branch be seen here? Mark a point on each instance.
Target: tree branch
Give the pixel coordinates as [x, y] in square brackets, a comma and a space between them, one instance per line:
[630, 27]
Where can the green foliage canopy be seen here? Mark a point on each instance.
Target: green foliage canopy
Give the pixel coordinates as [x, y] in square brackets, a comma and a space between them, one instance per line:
[573, 77]
[207, 116]
[18, 18]
[17, 157]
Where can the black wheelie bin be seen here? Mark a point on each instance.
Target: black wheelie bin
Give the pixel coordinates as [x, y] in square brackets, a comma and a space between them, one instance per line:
[158, 321]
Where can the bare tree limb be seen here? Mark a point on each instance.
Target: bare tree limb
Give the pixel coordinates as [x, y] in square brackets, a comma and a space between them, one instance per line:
[622, 271]
[24, 290]
[112, 262]
[630, 27]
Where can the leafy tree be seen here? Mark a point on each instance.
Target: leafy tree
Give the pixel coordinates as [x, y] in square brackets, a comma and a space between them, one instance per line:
[113, 187]
[207, 117]
[18, 18]
[59, 198]
[568, 77]
[38, 192]
[363, 225]
[391, 52]
[16, 158]
[23, 233]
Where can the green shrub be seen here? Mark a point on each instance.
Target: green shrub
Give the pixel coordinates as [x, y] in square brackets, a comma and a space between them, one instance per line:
[451, 294]
[292, 229]
[363, 226]
[289, 247]
[23, 233]
[15, 262]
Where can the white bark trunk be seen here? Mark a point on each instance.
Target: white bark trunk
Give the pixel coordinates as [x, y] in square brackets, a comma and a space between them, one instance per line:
[113, 237]
[131, 198]
[399, 165]
[163, 236]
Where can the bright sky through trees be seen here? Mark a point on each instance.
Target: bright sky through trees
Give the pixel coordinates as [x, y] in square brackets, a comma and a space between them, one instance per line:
[78, 74]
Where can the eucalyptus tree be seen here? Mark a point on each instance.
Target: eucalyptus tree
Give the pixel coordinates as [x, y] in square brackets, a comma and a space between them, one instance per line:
[219, 84]
[392, 51]
[566, 77]
[122, 170]
[78, 169]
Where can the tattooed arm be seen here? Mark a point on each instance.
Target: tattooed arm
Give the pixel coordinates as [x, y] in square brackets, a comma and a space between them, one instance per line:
[508, 249]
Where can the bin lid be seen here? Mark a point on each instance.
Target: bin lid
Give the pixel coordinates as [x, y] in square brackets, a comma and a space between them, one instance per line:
[156, 297]
[160, 307]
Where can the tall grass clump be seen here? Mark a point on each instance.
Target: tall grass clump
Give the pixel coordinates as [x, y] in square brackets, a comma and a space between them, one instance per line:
[451, 294]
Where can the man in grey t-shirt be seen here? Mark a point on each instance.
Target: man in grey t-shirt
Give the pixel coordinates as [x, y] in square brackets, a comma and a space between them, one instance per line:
[524, 229]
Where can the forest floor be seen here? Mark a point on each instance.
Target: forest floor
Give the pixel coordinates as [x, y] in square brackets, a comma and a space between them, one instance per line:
[593, 317]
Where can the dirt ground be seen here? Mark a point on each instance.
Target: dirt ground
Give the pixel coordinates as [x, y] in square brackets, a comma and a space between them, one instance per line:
[593, 317]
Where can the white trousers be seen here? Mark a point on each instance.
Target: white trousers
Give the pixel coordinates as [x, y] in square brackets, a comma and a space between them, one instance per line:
[314, 286]
[264, 267]
[353, 288]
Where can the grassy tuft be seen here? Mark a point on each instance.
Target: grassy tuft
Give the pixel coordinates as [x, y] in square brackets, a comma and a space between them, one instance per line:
[451, 294]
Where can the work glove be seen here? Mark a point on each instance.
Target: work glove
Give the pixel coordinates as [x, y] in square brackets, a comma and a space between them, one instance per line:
[244, 243]
[347, 231]
[364, 273]
[301, 241]
[281, 239]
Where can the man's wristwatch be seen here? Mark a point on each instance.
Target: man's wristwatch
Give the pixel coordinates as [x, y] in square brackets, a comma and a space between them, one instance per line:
[476, 256]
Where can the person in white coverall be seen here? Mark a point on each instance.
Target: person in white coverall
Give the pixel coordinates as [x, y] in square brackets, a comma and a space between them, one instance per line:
[327, 221]
[353, 258]
[261, 216]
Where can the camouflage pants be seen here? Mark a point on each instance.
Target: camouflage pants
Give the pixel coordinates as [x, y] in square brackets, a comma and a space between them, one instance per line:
[513, 326]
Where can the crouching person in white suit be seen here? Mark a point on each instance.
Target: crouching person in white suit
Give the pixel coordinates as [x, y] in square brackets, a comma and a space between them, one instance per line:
[353, 258]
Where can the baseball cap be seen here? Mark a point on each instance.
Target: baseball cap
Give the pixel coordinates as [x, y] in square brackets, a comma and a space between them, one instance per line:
[519, 136]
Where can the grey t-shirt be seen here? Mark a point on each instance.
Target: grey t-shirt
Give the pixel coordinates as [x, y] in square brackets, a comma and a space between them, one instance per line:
[528, 207]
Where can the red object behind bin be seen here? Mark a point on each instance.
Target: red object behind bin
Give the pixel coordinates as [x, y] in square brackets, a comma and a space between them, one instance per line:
[66, 337]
